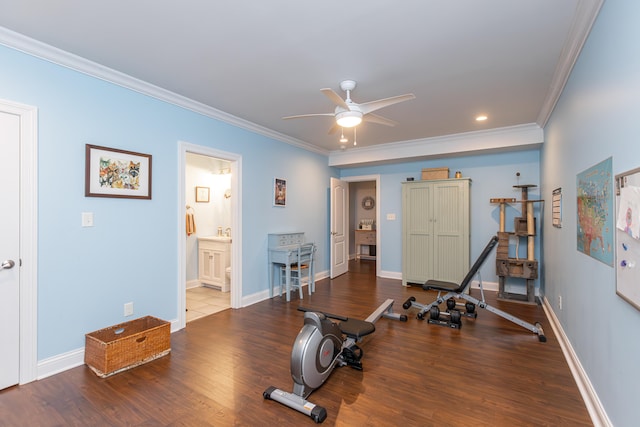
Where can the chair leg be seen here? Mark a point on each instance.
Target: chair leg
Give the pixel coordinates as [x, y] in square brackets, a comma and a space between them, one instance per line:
[285, 285]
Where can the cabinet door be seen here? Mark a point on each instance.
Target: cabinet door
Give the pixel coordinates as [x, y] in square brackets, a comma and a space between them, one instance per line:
[450, 230]
[417, 224]
[435, 230]
[205, 271]
[217, 267]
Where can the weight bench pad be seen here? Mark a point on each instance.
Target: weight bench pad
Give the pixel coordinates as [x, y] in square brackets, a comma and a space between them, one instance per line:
[356, 329]
[439, 285]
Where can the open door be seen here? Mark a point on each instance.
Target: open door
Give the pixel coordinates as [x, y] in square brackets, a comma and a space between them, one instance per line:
[339, 227]
[10, 249]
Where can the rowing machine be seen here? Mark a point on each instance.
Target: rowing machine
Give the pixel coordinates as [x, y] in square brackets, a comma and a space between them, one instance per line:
[322, 345]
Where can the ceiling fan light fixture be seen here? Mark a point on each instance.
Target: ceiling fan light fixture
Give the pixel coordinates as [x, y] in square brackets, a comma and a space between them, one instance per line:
[343, 139]
[349, 119]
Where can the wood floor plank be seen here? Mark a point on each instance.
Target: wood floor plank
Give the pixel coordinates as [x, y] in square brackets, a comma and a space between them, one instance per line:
[490, 372]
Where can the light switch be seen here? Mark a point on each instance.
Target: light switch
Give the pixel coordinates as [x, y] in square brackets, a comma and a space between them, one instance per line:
[391, 217]
[87, 219]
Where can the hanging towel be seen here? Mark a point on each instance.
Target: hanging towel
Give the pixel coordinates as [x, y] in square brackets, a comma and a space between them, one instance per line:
[191, 224]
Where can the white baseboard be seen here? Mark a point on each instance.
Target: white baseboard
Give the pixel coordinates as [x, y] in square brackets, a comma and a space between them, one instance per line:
[390, 274]
[598, 415]
[62, 362]
[193, 284]
[488, 286]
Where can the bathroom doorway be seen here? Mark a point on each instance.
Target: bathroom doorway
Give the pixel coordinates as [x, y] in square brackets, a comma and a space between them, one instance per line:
[210, 234]
[208, 228]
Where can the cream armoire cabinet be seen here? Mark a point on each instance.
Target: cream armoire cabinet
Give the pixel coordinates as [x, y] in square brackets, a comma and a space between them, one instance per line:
[435, 230]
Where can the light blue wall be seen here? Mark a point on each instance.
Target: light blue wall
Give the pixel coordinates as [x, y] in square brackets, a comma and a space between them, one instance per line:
[492, 176]
[596, 118]
[85, 275]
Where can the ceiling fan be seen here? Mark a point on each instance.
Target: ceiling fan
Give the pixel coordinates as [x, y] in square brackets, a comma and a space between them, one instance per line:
[349, 114]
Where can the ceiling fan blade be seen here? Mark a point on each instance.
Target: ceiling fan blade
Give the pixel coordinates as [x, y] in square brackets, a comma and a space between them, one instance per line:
[335, 98]
[374, 118]
[307, 115]
[369, 107]
[333, 129]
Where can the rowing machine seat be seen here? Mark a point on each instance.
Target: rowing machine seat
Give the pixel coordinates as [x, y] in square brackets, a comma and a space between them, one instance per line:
[356, 329]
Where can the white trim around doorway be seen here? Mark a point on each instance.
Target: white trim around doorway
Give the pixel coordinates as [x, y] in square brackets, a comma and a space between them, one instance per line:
[236, 225]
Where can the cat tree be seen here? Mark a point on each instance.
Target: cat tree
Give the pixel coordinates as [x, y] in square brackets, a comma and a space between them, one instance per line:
[524, 227]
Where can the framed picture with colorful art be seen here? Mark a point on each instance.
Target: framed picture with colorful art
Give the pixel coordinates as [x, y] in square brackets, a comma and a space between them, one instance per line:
[279, 192]
[110, 172]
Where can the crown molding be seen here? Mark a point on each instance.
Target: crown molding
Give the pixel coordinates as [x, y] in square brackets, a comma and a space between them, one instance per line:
[60, 57]
[509, 138]
[586, 14]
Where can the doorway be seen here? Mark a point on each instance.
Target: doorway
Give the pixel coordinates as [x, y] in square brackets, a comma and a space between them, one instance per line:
[209, 187]
[18, 243]
[363, 220]
[209, 235]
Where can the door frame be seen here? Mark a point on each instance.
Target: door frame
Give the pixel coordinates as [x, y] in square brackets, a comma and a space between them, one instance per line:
[366, 178]
[236, 224]
[28, 237]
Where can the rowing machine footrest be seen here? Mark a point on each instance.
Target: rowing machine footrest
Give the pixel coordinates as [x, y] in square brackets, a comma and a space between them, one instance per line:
[352, 356]
[356, 329]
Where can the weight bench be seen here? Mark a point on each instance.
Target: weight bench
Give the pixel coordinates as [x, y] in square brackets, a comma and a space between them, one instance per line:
[452, 317]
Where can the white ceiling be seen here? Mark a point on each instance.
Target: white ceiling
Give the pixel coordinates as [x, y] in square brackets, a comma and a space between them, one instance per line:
[262, 60]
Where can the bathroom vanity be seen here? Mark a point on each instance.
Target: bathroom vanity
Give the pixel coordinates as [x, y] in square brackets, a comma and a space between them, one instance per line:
[214, 256]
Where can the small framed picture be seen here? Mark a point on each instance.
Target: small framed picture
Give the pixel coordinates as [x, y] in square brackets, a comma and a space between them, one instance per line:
[202, 194]
[279, 192]
[110, 172]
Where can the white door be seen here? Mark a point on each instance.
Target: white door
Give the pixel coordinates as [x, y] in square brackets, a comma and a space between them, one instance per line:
[339, 227]
[9, 249]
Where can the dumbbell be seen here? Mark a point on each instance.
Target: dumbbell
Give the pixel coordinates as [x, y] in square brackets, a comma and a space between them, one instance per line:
[454, 321]
[470, 308]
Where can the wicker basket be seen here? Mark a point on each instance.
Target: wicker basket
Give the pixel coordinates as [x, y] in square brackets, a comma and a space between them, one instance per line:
[127, 345]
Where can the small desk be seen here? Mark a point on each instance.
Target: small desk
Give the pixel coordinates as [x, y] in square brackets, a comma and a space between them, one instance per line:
[283, 250]
[365, 238]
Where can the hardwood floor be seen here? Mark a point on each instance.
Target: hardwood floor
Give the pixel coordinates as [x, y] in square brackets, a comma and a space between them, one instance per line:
[489, 372]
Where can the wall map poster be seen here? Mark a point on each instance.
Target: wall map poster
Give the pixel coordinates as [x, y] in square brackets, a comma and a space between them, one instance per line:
[595, 212]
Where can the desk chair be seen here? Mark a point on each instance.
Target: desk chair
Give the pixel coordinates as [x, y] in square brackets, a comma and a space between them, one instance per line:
[302, 271]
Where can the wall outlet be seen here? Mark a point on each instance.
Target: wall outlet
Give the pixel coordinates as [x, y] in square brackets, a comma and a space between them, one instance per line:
[560, 302]
[128, 309]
